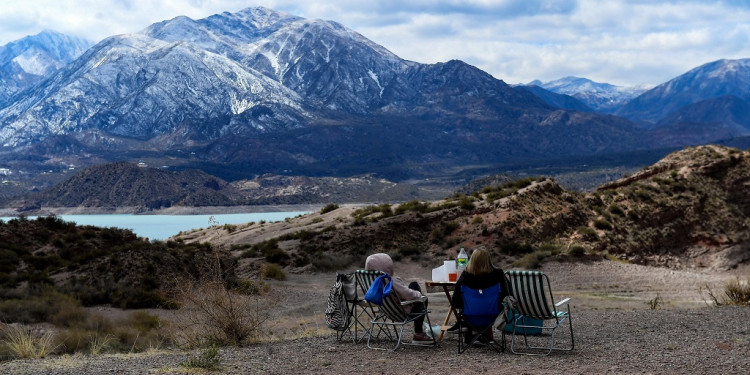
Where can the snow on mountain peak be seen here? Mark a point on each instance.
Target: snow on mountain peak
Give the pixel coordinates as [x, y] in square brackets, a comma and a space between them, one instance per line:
[602, 97]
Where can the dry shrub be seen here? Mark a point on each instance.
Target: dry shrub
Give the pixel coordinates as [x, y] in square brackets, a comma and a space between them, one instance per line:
[21, 342]
[95, 333]
[736, 292]
[213, 314]
[531, 261]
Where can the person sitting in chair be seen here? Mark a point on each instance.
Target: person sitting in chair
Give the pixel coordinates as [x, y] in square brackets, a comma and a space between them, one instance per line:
[382, 262]
[480, 274]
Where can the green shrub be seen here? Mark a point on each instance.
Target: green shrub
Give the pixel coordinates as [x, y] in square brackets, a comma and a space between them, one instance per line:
[207, 359]
[632, 215]
[602, 224]
[514, 248]
[143, 321]
[643, 195]
[551, 248]
[328, 208]
[616, 209]
[466, 203]
[587, 234]
[577, 251]
[530, 261]
[273, 271]
[413, 205]
[36, 308]
[409, 251]
[276, 255]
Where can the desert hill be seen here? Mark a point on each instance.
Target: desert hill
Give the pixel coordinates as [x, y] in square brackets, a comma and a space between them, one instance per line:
[691, 209]
[92, 264]
[132, 187]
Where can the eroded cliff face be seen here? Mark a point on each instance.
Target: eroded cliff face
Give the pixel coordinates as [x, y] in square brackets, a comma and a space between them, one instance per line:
[691, 209]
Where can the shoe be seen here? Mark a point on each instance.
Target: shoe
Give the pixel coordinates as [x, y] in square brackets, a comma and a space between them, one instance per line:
[421, 336]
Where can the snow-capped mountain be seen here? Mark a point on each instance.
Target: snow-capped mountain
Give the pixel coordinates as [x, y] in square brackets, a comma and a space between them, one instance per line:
[262, 91]
[28, 60]
[706, 82]
[602, 97]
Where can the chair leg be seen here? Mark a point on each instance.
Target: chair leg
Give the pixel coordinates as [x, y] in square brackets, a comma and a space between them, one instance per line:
[543, 350]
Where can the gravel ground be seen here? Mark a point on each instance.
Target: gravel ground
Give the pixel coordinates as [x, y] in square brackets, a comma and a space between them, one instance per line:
[615, 332]
[696, 341]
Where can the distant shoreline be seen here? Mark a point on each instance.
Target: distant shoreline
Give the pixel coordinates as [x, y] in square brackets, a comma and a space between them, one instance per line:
[176, 210]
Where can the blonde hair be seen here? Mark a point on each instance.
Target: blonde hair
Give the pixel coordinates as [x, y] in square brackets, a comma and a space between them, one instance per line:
[479, 263]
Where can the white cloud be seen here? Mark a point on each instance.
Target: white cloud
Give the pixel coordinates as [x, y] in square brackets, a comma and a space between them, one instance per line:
[616, 41]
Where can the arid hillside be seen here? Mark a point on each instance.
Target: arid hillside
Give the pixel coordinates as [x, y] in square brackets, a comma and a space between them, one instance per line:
[691, 209]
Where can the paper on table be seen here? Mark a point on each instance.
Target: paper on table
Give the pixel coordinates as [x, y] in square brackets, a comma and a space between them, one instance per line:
[439, 274]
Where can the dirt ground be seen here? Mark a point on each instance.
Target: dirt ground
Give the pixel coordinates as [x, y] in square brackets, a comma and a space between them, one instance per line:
[616, 332]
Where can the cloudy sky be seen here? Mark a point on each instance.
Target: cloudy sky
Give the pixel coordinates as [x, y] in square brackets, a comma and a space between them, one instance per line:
[624, 42]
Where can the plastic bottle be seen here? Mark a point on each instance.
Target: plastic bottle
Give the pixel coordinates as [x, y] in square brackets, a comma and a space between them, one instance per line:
[461, 261]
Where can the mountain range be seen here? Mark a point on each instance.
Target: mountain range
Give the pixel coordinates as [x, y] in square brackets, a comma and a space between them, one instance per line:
[258, 91]
[600, 97]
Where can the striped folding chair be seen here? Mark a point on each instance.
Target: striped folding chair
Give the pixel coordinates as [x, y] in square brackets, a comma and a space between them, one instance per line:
[532, 297]
[390, 318]
[359, 310]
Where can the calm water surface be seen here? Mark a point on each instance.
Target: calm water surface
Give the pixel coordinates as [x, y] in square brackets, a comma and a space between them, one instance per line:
[160, 227]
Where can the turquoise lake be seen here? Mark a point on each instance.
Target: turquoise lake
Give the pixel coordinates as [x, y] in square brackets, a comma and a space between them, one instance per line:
[161, 227]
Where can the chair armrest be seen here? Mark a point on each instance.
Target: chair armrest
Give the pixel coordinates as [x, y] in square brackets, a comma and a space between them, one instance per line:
[563, 302]
[409, 302]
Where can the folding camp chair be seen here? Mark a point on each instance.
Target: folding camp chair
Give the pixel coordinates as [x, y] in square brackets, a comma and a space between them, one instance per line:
[391, 314]
[479, 313]
[359, 310]
[532, 298]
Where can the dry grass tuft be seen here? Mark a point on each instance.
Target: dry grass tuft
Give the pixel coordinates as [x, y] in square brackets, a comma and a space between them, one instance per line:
[736, 292]
[22, 343]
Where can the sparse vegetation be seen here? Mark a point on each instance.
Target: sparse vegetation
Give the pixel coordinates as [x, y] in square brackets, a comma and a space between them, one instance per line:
[273, 271]
[212, 313]
[414, 205]
[602, 224]
[577, 251]
[531, 261]
[207, 359]
[329, 207]
[654, 303]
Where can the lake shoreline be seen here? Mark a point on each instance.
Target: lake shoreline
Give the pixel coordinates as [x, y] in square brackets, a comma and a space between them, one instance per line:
[176, 210]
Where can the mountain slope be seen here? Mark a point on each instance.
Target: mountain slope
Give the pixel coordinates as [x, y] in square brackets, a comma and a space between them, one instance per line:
[689, 210]
[260, 91]
[556, 100]
[28, 60]
[127, 185]
[708, 81]
[138, 87]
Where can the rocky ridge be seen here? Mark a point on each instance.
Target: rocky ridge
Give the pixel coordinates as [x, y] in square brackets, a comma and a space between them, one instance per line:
[691, 209]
